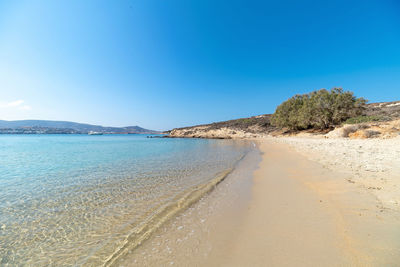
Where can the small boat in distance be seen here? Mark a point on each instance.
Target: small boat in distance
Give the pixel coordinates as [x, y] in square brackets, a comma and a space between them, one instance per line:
[95, 133]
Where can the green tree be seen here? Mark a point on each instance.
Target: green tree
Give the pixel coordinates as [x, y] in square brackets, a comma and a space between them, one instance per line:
[319, 109]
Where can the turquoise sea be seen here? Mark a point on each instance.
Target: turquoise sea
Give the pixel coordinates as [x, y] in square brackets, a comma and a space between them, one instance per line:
[80, 200]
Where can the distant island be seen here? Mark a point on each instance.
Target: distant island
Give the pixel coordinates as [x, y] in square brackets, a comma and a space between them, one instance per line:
[65, 127]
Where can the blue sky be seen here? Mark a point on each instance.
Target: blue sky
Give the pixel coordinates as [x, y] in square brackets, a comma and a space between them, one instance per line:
[167, 63]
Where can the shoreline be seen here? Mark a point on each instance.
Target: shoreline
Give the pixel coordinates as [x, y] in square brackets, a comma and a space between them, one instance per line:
[203, 230]
[92, 208]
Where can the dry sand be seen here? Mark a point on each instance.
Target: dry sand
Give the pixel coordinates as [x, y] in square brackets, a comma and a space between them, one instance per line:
[372, 164]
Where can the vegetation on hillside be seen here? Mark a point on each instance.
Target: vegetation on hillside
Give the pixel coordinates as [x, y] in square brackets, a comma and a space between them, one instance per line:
[320, 109]
[252, 124]
[364, 119]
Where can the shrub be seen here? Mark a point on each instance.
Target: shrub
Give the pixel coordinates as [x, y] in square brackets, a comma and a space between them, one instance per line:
[363, 118]
[320, 109]
[347, 130]
[371, 133]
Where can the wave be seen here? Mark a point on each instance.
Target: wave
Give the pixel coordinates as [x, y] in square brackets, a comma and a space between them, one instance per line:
[162, 214]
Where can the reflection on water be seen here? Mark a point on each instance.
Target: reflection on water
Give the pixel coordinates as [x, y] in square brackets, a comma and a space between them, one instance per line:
[74, 200]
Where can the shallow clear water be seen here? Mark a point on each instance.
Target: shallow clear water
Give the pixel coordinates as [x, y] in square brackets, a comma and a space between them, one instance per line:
[79, 200]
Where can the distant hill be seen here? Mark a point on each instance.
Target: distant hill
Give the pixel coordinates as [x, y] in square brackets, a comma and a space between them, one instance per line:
[72, 127]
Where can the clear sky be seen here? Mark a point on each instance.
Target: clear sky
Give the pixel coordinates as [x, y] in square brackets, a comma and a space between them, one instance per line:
[167, 63]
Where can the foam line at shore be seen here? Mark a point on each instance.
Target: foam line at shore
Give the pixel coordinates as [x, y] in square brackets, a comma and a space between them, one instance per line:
[180, 203]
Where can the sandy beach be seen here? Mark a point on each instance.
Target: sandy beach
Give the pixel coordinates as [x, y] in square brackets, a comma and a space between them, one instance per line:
[200, 133]
[297, 211]
[287, 223]
[304, 214]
